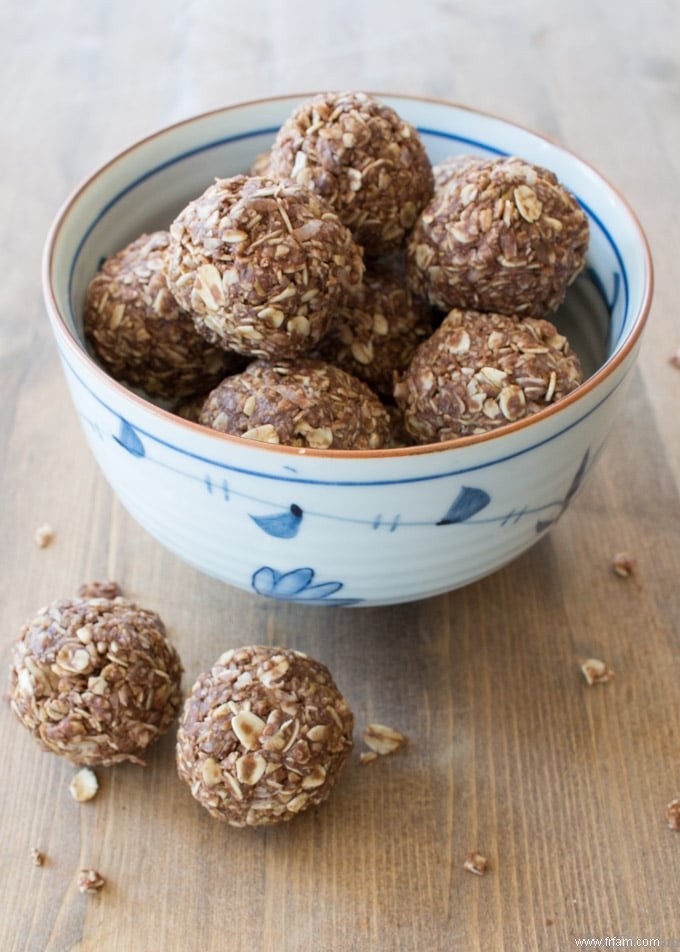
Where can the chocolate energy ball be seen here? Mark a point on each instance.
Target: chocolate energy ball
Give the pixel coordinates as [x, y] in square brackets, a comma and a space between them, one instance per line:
[95, 680]
[264, 735]
[304, 402]
[261, 265]
[480, 371]
[501, 236]
[366, 161]
[377, 331]
[139, 332]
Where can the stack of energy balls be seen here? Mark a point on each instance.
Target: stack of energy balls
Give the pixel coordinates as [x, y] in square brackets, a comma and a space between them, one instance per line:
[346, 294]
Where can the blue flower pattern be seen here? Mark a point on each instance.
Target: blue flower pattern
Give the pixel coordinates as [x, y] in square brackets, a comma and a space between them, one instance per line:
[298, 586]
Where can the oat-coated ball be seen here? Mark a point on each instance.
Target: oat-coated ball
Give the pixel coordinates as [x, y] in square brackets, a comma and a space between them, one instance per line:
[366, 161]
[264, 735]
[501, 236]
[377, 330]
[480, 371]
[139, 332]
[304, 402]
[95, 680]
[261, 265]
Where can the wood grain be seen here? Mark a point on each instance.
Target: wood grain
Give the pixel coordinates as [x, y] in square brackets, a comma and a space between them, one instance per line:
[561, 786]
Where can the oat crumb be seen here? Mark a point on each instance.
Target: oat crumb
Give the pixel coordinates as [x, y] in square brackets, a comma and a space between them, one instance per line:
[84, 785]
[44, 536]
[37, 856]
[367, 756]
[624, 565]
[89, 881]
[476, 863]
[382, 740]
[596, 671]
[673, 814]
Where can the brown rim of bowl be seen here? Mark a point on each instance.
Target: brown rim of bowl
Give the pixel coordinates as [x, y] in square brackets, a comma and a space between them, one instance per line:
[79, 351]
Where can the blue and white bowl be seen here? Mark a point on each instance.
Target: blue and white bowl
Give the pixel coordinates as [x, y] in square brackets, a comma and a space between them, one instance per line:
[337, 527]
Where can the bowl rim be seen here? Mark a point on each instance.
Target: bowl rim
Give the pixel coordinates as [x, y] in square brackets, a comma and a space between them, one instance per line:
[79, 351]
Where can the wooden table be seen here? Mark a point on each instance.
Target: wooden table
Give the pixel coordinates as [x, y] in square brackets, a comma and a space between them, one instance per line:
[562, 786]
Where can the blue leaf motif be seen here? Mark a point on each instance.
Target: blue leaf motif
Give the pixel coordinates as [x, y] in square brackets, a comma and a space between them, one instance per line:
[467, 503]
[264, 580]
[283, 525]
[292, 583]
[296, 586]
[129, 439]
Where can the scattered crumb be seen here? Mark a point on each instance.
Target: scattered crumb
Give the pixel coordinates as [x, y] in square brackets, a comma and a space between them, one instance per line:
[44, 536]
[476, 863]
[382, 740]
[367, 756]
[99, 590]
[37, 857]
[673, 814]
[89, 881]
[596, 672]
[84, 785]
[624, 564]
[674, 359]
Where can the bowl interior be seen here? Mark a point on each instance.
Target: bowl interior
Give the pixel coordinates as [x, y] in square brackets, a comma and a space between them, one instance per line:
[145, 187]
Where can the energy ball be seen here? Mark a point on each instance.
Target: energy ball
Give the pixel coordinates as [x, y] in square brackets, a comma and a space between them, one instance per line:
[502, 236]
[366, 161]
[480, 371]
[264, 735]
[305, 402]
[377, 331]
[261, 265]
[95, 680]
[140, 334]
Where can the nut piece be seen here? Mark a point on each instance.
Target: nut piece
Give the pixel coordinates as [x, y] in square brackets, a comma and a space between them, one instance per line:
[139, 332]
[301, 402]
[674, 359]
[366, 162]
[501, 235]
[84, 785]
[44, 536]
[479, 371]
[89, 881]
[476, 863]
[624, 564]
[382, 740]
[673, 814]
[262, 265]
[264, 735]
[95, 679]
[37, 857]
[596, 672]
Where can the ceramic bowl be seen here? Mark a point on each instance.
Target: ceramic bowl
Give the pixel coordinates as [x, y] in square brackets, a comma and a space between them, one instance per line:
[337, 527]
